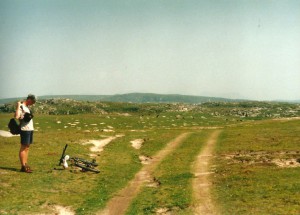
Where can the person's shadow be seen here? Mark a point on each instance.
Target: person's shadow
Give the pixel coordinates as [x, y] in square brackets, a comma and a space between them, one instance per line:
[10, 169]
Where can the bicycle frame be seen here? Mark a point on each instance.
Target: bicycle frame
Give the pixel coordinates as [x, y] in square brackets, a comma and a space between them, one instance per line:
[79, 162]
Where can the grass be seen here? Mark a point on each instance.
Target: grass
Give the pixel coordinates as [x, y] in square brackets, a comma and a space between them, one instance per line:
[175, 177]
[84, 192]
[258, 188]
[261, 136]
[241, 185]
[28, 193]
[119, 164]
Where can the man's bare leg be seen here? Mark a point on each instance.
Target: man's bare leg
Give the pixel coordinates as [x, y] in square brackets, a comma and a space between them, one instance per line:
[23, 154]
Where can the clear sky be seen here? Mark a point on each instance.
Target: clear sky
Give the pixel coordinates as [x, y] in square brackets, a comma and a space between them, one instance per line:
[235, 48]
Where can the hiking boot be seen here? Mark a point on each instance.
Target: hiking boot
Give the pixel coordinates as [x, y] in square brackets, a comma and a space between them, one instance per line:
[26, 169]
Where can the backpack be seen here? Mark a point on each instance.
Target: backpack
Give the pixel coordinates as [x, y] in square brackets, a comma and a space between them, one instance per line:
[14, 127]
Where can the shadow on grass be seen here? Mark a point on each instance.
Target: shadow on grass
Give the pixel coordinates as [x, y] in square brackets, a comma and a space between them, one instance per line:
[59, 169]
[10, 169]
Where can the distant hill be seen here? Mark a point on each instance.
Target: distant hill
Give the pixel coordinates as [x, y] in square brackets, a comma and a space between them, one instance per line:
[74, 97]
[136, 98]
[289, 101]
[162, 98]
[156, 104]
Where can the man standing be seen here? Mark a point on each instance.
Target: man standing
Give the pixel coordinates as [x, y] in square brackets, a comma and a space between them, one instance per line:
[26, 123]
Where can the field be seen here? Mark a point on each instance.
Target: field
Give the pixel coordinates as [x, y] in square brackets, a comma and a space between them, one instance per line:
[252, 163]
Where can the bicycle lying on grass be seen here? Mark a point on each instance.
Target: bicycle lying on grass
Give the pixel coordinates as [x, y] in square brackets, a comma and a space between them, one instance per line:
[79, 162]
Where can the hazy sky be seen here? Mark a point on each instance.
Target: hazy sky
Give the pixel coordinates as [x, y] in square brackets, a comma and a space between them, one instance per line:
[236, 49]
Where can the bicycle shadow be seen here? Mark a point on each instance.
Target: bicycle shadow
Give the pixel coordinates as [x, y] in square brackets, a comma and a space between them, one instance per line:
[10, 169]
[58, 168]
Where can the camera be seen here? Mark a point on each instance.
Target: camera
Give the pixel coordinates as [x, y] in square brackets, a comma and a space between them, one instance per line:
[27, 117]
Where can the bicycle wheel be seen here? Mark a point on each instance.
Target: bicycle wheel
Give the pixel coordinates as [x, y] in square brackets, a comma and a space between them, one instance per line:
[87, 168]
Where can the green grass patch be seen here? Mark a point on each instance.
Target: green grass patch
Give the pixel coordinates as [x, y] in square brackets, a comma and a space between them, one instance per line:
[174, 176]
[257, 190]
[85, 193]
[242, 187]
[119, 163]
[260, 136]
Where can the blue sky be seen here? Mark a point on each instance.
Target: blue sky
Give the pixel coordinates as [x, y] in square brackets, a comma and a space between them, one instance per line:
[235, 49]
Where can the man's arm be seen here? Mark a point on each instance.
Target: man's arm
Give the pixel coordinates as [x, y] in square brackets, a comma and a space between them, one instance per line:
[18, 110]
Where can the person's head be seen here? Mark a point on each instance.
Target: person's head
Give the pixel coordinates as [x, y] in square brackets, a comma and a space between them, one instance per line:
[31, 99]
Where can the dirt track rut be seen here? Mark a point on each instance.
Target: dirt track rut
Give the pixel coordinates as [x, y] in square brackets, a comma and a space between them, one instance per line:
[201, 183]
[119, 204]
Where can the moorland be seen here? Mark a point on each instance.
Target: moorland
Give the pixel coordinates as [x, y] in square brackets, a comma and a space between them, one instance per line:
[214, 157]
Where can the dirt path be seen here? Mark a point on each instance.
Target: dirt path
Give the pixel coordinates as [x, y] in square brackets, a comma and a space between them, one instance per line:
[7, 134]
[119, 204]
[201, 183]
